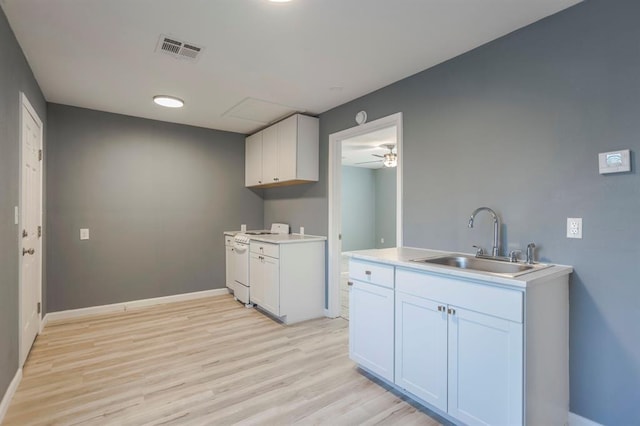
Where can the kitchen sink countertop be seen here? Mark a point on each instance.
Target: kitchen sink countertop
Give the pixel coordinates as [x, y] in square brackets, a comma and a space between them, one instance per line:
[401, 256]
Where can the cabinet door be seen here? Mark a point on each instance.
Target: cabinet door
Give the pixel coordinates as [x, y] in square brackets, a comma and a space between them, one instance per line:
[270, 155]
[287, 148]
[421, 348]
[271, 280]
[485, 369]
[253, 160]
[371, 328]
[256, 279]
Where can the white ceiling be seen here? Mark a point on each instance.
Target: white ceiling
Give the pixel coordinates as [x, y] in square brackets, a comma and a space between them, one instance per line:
[361, 151]
[307, 55]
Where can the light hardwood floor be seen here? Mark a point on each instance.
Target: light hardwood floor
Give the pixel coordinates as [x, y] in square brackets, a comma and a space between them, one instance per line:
[203, 362]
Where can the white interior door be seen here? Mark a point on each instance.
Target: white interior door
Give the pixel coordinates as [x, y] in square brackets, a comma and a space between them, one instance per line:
[30, 229]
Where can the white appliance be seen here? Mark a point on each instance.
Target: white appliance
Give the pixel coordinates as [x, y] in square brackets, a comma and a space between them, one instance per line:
[239, 260]
[238, 267]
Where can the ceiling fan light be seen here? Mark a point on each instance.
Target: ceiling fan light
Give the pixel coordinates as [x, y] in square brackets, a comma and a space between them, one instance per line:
[168, 101]
[390, 160]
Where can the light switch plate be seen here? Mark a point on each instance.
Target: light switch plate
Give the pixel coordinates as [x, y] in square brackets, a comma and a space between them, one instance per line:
[574, 227]
[84, 233]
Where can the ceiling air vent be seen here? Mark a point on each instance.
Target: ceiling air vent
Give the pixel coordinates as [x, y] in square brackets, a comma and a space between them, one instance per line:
[178, 48]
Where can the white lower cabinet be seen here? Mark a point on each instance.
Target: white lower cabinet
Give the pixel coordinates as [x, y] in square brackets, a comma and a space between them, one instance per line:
[371, 327]
[371, 321]
[265, 282]
[287, 280]
[485, 369]
[459, 347]
[421, 348]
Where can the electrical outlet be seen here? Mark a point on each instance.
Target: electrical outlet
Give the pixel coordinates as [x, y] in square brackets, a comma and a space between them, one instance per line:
[381, 240]
[84, 233]
[574, 227]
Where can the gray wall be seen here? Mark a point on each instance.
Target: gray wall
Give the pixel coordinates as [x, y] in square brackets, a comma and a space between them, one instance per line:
[517, 125]
[15, 76]
[386, 196]
[156, 197]
[358, 208]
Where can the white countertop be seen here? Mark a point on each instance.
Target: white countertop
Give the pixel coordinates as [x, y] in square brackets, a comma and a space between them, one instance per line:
[401, 256]
[286, 238]
[280, 238]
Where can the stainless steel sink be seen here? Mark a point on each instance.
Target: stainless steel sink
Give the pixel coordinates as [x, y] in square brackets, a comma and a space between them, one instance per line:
[461, 261]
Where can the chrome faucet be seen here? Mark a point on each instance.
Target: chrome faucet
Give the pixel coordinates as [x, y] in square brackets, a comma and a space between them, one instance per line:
[530, 249]
[496, 228]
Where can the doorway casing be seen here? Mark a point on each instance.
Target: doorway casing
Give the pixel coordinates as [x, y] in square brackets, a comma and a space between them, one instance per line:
[335, 200]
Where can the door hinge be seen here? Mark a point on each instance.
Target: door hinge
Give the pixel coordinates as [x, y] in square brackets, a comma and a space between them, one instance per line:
[39, 307]
[340, 237]
[39, 231]
[40, 154]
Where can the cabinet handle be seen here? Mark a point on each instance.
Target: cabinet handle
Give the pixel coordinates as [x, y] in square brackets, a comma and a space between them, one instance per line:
[451, 311]
[367, 273]
[259, 181]
[349, 283]
[440, 308]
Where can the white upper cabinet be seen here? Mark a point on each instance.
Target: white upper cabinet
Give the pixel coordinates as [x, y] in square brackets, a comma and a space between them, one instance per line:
[285, 153]
[253, 160]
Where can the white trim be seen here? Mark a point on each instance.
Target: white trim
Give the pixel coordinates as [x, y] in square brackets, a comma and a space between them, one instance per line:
[125, 306]
[8, 395]
[576, 420]
[25, 104]
[335, 201]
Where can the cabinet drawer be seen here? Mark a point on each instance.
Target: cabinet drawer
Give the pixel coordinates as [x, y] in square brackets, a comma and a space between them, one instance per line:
[475, 296]
[267, 249]
[374, 273]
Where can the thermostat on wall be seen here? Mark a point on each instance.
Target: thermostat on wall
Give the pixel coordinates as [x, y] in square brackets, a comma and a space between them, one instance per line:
[614, 161]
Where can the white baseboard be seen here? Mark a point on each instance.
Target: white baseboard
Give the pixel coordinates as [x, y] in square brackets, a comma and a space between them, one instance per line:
[125, 306]
[8, 395]
[576, 420]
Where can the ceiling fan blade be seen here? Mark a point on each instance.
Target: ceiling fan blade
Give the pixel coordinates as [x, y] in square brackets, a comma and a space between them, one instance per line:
[376, 155]
[367, 162]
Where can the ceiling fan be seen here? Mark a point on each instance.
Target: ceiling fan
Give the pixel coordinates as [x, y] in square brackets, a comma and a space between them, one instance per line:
[390, 159]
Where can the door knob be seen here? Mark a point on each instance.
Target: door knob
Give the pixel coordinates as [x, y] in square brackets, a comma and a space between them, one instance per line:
[30, 251]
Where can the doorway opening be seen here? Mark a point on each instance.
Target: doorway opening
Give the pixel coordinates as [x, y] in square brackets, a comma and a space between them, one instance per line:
[365, 198]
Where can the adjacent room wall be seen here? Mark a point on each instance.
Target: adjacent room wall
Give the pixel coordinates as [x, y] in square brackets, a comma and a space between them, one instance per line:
[517, 125]
[156, 198]
[15, 76]
[358, 208]
[386, 200]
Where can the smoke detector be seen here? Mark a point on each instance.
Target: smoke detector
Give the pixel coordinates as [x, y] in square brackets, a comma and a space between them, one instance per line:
[178, 48]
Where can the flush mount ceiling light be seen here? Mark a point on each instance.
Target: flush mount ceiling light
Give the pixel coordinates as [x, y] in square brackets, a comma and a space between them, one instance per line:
[168, 101]
[279, 1]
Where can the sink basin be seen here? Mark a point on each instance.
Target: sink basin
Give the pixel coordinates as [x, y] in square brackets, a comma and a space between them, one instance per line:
[498, 267]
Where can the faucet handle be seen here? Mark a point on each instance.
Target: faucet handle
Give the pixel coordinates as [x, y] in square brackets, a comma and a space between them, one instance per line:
[513, 255]
[479, 250]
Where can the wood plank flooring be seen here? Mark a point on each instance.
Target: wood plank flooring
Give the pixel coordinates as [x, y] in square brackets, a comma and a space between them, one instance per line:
[203, 362]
